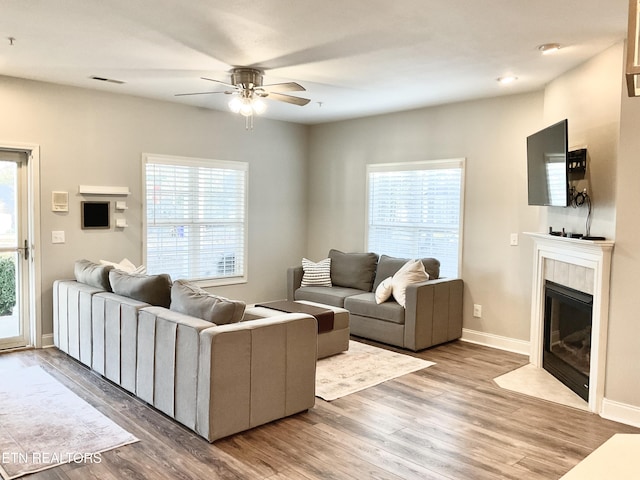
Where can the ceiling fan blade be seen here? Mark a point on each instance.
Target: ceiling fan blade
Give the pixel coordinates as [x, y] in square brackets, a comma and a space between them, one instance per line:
[284, 87]
[200, 93]
[288, 99]
[219, 81]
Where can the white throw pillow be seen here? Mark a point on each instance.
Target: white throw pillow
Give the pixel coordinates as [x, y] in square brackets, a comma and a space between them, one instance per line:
[125, 265]
[316, 274]
[411, 272]
[384, 290]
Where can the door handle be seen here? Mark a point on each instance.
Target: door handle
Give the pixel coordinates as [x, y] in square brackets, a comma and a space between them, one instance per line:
[25, 250]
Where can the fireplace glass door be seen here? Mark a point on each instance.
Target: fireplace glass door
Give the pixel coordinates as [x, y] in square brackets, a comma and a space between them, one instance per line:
[567, 336]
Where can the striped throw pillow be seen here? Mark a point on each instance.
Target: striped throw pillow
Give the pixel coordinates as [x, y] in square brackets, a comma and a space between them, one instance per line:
[316, 274]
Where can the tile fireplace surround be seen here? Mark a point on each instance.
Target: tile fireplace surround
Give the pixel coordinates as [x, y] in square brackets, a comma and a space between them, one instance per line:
[583, 265]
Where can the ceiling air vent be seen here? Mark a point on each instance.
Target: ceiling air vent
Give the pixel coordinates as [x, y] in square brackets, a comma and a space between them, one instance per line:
[103, 79]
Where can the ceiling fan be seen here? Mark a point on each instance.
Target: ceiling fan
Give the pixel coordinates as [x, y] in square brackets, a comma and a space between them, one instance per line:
[248, 90]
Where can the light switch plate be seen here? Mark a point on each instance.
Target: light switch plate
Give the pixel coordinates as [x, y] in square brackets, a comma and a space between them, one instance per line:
[57, 236]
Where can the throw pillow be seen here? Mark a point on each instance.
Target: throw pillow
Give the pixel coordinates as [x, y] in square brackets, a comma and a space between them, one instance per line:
[353, 270]
[125, 265]
[152, 289]
[316, 274]
[92, 274]
[192, 300]
[388, 266]
[412, 272]
[384, 290]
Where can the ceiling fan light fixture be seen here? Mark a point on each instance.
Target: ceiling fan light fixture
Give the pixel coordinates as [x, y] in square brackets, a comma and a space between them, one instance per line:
[248, 92]
[247, 105]
[259, 106]
[235, 104]
[246, 108]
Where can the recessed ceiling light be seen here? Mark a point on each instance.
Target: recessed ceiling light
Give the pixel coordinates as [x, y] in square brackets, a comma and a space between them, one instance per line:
[507, 79]
[549, 48]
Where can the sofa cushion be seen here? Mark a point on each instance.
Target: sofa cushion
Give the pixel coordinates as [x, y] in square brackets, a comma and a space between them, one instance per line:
[152, 289]
[327, 295]
[411, 272]
[93, 274]
[364, 305]
[316, 274]
[353, 270]
[388, 266]
[192, 300]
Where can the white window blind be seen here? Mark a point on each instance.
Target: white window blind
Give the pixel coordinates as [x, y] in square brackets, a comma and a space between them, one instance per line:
[196, 220]
[415, 211]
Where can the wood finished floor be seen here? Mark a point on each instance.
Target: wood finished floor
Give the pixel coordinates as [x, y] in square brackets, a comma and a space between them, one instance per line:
[449, 421]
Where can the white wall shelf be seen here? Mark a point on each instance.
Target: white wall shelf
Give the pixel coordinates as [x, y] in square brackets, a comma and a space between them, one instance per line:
[103, 190]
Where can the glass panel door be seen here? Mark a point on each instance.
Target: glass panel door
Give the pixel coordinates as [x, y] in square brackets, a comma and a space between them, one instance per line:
[13, 255]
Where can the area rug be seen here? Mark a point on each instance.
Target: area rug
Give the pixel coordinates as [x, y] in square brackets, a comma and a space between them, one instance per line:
[537, 382]
[44, 424]
[362, 366]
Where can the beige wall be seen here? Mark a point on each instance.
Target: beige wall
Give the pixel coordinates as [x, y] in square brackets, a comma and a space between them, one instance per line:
[490, 134]
[589, 97]
[623, 359]
[95, 138]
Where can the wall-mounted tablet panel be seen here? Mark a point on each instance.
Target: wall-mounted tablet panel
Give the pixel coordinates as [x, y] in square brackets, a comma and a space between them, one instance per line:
[95, 215]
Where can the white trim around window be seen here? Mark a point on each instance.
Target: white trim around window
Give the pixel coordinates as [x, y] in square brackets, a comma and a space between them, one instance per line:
[416, 210]
[195, 218]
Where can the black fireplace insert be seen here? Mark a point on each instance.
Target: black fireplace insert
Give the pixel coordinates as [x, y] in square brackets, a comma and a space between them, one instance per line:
[567, 336]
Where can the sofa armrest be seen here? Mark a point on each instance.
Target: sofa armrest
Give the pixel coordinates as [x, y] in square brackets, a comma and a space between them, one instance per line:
[294, 280]
[433, 313]
[253, 372]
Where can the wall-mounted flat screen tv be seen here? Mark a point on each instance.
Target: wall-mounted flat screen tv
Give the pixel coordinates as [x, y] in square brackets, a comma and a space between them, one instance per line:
[547, 166]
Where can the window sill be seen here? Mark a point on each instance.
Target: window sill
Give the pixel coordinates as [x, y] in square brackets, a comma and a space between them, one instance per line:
[219, 282]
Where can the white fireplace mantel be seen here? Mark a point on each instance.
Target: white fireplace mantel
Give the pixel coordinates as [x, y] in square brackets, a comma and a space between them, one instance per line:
[584, 265]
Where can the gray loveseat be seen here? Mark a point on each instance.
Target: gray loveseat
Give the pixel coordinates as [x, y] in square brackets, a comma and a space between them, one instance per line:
[432, 314]
[215, 379]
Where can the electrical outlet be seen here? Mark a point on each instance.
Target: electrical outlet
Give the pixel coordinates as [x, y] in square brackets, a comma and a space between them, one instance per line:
[477, 310]
[514, 239]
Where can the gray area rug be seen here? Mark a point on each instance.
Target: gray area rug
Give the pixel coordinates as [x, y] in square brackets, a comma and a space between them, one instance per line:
[362, 366]
[44, 424]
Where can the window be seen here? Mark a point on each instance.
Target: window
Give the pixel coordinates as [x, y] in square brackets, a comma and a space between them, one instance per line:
[196, 218]
[415, 211]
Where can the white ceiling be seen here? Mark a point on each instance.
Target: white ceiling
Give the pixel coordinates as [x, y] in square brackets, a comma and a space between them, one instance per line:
[354, 57]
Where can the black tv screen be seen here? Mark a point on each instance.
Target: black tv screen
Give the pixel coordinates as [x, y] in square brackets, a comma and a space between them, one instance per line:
[547, 167]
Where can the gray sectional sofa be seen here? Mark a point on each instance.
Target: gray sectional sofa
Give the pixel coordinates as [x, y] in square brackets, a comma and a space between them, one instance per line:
[432, 314]
[217, 379]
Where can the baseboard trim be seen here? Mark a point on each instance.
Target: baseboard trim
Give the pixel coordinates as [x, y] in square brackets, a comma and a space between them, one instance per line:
[496, 341]
[621, 412]
[47, 340]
